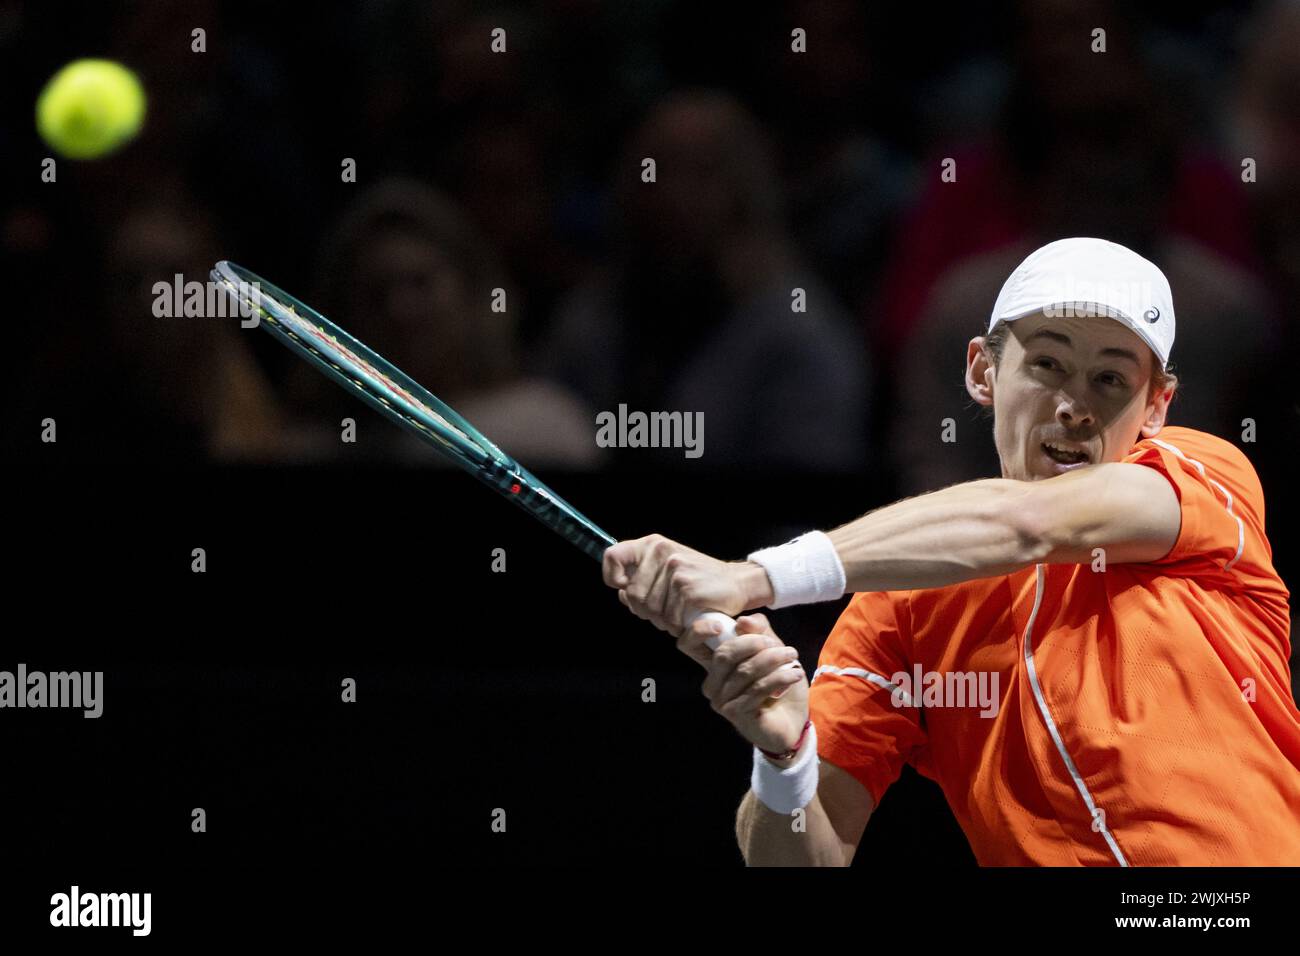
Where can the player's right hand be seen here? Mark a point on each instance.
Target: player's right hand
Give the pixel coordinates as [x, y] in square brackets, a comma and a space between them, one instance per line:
[744, 675]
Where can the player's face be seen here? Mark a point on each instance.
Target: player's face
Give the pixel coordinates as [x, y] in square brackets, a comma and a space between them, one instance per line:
[1068, 392]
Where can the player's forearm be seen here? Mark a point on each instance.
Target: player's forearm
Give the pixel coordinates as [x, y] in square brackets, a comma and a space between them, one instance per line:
[973, 530]
[768, 838]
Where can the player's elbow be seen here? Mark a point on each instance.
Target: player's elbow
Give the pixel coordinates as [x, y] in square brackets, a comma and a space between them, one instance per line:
[1018, 516]
[1047, 526]
[1042, 531]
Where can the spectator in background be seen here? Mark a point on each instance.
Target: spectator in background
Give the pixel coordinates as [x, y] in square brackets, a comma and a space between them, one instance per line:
[845, 186]
[1080, 137]
[126, 385]
[694, 313]
[408, 274]
[1267, 130]
[1084, 150]
[491, 129]
[500, 175]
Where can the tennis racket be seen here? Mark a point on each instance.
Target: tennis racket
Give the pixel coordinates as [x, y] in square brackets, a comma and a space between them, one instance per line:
[388, 390]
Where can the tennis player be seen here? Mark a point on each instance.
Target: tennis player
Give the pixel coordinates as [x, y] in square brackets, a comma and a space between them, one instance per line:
[1115, 585]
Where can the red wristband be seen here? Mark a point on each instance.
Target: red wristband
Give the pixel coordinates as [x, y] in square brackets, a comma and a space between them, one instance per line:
[793, 750]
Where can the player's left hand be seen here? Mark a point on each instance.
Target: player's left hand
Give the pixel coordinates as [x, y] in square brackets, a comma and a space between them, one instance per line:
[665, 582]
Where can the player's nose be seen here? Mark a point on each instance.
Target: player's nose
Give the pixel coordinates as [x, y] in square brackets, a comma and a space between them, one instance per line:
[1073, 412]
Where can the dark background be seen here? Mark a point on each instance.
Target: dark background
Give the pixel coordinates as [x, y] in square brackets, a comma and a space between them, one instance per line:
[476, 690]
[522, 690]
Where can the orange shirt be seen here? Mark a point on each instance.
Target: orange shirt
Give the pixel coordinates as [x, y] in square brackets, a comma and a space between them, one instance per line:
[1144, 713]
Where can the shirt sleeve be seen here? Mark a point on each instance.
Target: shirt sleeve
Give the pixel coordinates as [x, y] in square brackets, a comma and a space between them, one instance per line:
[851, 702]
[1222, 536]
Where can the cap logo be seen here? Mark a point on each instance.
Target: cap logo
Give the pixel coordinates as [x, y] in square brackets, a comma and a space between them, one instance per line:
[1151, 315]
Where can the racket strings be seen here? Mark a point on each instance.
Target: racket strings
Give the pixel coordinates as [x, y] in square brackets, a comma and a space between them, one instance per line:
[395, 395]
[372, 380]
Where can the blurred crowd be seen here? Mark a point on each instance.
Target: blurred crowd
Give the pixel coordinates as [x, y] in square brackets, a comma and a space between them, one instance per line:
[521, 171]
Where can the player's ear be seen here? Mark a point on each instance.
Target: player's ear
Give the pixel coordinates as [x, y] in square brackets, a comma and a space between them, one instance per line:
[1157, 410]
[979, 372]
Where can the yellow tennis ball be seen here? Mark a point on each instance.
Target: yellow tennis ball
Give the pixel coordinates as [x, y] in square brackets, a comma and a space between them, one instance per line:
[90, 108]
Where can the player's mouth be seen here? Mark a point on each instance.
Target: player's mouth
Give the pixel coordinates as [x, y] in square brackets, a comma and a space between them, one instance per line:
[1064, 456]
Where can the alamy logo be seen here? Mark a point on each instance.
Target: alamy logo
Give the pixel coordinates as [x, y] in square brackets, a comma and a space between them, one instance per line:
[655, 430]
[211, 300]
[75, 689]
[946, 689]
[1073, 298]
[102, 909]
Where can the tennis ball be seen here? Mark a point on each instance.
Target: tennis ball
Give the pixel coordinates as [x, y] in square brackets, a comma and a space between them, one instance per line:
[90, 108]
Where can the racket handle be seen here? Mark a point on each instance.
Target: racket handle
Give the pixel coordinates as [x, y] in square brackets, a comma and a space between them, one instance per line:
[728, 627]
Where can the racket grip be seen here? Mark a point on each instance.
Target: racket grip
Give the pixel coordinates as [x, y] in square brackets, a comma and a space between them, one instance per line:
[728, 627]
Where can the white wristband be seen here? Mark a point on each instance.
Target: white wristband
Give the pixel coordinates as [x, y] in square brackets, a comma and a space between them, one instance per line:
[804, 571]
[785, 791]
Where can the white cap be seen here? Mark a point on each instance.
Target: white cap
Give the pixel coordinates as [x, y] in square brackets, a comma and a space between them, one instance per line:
[1092, 277]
